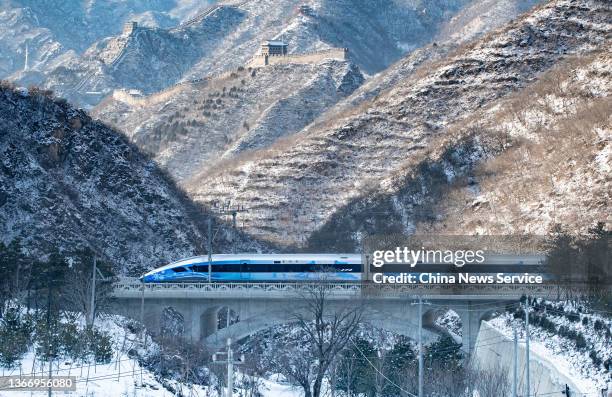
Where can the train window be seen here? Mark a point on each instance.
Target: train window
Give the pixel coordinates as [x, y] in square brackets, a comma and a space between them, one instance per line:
[230, 268]
[200, 268]
[179, 269]
[279, 267]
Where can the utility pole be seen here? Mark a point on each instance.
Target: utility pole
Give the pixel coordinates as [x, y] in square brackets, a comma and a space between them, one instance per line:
[527, 345]
[226, 210]
[209, 249]
[420, 346]
[515, 370]
[420, 337]
[142, 314]
[229, 210]
[92, 303]
[49, 332]
[230, 368]
[229, 360]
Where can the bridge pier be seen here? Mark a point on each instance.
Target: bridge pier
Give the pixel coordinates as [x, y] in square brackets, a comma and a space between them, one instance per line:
[471, 316]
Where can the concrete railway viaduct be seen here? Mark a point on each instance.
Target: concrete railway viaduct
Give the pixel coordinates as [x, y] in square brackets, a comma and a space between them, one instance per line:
[203, 308]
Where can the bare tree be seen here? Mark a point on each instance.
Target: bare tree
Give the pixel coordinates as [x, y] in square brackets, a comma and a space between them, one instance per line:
[79, 282]
[493, 382]
[325, 330]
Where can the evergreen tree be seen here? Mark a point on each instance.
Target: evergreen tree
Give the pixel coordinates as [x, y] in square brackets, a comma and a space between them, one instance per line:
[444, 352]
[562, 256]
[403, 362]
[598, 264]
[354, 372]
[13, 268]
[16, 335]
[51, 278]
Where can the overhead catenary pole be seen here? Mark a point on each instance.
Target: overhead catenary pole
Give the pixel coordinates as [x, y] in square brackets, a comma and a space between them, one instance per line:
[229, 354]
[420, 341]
[515, 362]
[49, 294]
[420, 346]
[528, 394]
[230, 368]
[209, 249]
[92, 303]
[142, 315]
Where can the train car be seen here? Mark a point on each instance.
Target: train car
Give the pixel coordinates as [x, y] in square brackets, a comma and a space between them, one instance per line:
[260, 268]
[322, 267]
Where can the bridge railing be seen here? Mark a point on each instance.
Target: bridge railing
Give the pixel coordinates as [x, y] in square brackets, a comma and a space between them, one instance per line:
[132, 288]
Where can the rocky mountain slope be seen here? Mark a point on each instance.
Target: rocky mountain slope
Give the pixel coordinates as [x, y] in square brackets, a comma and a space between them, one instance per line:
[69, 182]
[227, 35]
[343, 167]
[472, 21]
[557, 157]
[191, 127]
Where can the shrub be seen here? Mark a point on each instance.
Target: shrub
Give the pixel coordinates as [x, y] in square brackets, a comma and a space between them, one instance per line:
[580, 341]
[572, 317]
[548, 325]
[598, 325]
[99, 345]
[519, 313]
[596, 359]
[585, 321]
[7, 85]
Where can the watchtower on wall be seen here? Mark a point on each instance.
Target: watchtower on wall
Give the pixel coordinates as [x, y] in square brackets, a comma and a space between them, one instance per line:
[129, 27]
[274, 52]
[274, 48]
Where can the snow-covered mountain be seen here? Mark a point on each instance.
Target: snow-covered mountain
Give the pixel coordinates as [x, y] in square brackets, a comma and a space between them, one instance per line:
[69, 182]
[54, 31]
[342, 175]
[226, 35]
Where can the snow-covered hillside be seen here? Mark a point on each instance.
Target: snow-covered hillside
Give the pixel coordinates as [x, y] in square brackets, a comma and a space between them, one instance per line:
[68, 182]
[132, 369]
[191, 128]
[570, 333]
[371, 168]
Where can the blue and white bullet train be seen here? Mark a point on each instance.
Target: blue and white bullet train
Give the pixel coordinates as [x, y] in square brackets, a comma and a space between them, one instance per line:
[305, 267]
[260, 268]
